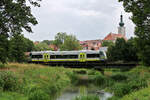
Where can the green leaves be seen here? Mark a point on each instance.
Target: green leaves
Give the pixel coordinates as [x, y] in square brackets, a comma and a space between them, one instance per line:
[122, 50]
[140, 10]
[16, 16]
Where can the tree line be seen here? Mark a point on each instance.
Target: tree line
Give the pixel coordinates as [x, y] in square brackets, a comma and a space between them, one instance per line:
[121, 50]
[17, 45]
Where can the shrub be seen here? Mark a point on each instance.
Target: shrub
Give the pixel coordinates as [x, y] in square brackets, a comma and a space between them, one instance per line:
[2, 65]
[119, 77]
[121, 89]
[137, 84]
[114, 98]
[9, 81]
[38, 95]
[73, 77]
[92, 72]
[100, 80]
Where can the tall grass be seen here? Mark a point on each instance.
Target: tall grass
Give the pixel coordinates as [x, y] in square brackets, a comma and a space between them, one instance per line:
[85, 96]
[36, 82]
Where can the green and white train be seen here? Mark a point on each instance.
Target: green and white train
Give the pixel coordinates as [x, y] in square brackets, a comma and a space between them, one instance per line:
[64, 57]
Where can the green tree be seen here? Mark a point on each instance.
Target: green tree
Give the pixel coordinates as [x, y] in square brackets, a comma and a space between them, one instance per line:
[15, 15]
[48, 42]
[70, 43]
[107, 43]
[122, 50]
[28, 44]
[60, 38]
[42, 47]
[4, 50]
[17, 48]
[140, 10]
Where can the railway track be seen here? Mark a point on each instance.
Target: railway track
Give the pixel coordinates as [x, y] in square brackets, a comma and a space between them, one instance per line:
[96, 65]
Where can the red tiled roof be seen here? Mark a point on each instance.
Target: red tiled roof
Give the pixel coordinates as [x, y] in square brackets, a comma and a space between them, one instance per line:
[113, 37]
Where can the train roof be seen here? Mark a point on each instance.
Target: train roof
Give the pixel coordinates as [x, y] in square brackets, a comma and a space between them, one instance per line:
[65, 52]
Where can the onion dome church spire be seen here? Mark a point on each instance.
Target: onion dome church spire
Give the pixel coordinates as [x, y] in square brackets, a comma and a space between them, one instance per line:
[121, 28]
[121, 24]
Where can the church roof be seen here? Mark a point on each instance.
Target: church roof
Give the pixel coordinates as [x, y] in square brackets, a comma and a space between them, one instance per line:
[113, 36]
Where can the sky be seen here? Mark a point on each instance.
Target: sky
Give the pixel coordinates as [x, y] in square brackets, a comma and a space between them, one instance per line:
[86, 19]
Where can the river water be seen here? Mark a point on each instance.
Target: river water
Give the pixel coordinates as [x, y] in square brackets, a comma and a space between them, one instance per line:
[69, 95]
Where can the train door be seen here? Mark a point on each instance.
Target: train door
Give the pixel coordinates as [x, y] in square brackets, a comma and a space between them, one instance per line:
[46, 57]
[82, 57]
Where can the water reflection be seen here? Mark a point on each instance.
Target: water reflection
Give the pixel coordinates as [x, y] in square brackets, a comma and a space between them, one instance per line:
[69, 95]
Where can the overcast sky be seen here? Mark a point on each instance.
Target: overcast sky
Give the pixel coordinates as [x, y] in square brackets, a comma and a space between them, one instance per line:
[87, 19]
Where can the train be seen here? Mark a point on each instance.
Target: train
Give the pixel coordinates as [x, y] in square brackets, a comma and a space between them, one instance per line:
[69, 58]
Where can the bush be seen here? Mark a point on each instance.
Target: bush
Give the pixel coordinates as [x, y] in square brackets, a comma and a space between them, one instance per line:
[137, 84]
[9, 81]
[2, 65]
[38, 95]
[73, 77]
[121, 89]
[119, 77]
[92, 72]
[100, 80]
[114, 98]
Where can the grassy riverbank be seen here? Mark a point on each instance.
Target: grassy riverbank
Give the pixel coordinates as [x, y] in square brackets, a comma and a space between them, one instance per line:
[32, 82]
[127, 84]
[37, 82]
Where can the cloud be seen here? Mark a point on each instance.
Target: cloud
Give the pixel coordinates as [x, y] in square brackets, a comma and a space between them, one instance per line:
[87, 19]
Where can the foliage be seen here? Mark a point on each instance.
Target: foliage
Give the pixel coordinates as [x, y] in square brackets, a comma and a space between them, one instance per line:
[9, 81]
[28, 44]
[17, 48]
[2, 65]
[85, 96]
[119, 77]
[42, 47]
[48, 42]
[4, 48]
[14, 17]
[122, 50]
[12, 96]
[60, 38]
[107, 43]
[100, 80]
[142, 94]
[38, 95]
[114, 98]
[140, 17]
[66, 42]
[39, 81]
[74, 78]
[70, 43]
[121, 89]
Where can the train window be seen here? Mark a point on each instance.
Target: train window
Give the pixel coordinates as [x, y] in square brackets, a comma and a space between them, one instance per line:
[37, 56]
[63, 56]
[93, 56]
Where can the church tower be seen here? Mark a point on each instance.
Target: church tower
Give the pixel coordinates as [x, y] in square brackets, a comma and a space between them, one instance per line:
[121, 28]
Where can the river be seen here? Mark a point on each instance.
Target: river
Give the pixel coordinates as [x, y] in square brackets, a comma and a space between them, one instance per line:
[69, 95]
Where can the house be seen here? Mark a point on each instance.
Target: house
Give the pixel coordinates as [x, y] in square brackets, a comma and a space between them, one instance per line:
[53, 47]
[91, 44]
